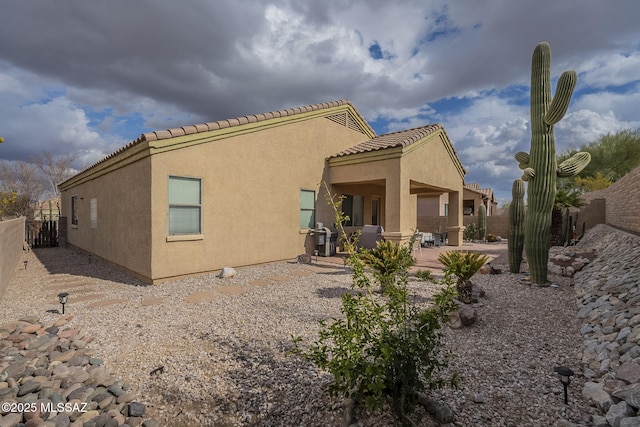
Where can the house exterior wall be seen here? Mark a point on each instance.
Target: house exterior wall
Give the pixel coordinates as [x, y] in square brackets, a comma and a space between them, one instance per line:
[433, 205]
[122, 233]
[251, 196]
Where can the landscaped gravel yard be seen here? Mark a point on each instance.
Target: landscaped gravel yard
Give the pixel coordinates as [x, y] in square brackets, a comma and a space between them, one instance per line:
[218, 347]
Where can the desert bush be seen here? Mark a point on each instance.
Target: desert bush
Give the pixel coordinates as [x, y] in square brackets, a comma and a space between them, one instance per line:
[470, 231]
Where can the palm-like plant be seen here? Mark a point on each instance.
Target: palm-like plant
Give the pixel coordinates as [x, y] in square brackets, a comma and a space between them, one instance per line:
[463, 265]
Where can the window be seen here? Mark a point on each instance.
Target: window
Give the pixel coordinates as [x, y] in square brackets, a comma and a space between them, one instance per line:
[93, 212]
[307, 208]
[185, 205]
[353, 207]
[74, 210]
[446, 209]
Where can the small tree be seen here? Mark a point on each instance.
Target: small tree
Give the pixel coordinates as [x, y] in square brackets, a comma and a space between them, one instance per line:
[385, 350]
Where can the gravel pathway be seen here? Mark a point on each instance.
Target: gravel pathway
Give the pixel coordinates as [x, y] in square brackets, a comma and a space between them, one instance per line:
[221, 358]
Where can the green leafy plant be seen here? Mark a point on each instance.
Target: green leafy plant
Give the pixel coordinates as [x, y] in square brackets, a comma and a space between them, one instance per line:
[425, 275]
[387, 260]
[385, 350]
[470, 231]
[463, 265]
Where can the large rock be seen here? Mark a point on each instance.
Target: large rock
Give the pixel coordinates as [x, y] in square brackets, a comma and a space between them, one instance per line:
[630, 422]
[595, 392]
[630, 394]
[629, 372]
[467, 314]
[617, 412]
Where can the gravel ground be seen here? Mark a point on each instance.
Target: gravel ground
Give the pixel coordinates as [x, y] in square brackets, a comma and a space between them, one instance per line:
[222, 361]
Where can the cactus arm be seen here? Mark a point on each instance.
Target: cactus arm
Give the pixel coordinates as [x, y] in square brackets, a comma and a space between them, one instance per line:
[528, 173]
[573, 165]
[523, 159]
[562, 98]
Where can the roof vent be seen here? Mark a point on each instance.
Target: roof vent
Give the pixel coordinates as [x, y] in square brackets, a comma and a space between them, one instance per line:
[345, 119]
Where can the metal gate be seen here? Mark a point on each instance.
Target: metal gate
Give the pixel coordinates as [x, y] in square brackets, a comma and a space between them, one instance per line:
[41, 234]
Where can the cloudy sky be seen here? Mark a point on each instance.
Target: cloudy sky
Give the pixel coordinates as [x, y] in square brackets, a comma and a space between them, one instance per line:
[89, 77]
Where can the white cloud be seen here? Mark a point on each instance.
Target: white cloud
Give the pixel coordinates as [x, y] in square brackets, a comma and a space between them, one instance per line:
[610, 69]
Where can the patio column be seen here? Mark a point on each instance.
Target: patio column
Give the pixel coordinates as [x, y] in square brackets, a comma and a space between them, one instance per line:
[401, 210]
[455, 228]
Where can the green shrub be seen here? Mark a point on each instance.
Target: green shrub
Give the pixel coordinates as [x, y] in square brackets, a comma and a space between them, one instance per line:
[387, 260]
[463, 265]
[385, 350]
[425, 275]
[470, 231]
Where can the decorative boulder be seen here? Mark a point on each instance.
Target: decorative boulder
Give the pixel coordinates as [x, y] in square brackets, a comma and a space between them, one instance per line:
[227, 273]
[619, 411]
[467, 314]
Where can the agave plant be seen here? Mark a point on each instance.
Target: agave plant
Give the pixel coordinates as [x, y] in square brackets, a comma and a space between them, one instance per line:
[463, 265]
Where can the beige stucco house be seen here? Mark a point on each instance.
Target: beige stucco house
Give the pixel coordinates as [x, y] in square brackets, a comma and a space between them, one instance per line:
[248, 190]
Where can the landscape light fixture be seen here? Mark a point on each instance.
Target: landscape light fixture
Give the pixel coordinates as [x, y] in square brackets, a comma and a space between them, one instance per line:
[25, 264]
[565, 378]
[62, 297]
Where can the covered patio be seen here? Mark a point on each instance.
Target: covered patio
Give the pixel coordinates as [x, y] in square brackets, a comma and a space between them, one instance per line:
[386, 174]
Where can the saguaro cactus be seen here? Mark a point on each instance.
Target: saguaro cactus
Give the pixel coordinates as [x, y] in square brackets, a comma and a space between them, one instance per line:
[539, 165]
[516, 226]
[482, 222]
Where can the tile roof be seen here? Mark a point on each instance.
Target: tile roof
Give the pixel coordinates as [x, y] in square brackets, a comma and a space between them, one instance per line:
[221, 124]
[390, 140]
[474, 186]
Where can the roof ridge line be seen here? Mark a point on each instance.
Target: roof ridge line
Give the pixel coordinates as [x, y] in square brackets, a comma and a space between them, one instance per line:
[237, 121]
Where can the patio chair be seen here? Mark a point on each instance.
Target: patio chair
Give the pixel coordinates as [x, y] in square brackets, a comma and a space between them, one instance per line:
[428, 240]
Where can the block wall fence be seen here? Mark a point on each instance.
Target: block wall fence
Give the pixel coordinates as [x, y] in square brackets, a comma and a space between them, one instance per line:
[11, 240]
[621, 202]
